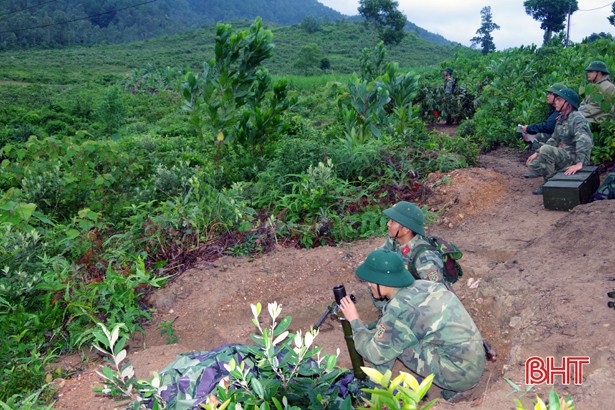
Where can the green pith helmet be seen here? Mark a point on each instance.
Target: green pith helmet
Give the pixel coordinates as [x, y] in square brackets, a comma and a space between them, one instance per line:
[408, 215]
[449, 70]
[569, 95]
[385, 267]
[556, 87]
[597, 66]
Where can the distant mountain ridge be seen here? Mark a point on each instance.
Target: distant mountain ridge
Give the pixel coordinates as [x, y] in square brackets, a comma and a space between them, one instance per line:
[64, 22]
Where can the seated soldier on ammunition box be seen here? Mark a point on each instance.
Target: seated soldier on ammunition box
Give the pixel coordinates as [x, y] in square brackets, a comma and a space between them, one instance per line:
[570, 146]
[423, 324]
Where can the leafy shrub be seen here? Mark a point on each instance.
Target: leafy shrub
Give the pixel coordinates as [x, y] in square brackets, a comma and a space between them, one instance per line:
[112, 111]
[290, 372]
[355, 159]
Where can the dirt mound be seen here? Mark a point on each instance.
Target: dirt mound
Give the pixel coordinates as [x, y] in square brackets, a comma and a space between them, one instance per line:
[534, 280]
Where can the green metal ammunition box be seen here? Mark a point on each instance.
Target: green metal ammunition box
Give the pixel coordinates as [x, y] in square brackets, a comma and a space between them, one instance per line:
[564, 192]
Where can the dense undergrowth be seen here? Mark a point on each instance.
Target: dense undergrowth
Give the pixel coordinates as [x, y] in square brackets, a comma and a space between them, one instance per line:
[111, 183]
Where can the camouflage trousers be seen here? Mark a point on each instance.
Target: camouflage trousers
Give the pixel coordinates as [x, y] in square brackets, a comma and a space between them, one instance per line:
[550, 160]
[450, 373]
[541, 138]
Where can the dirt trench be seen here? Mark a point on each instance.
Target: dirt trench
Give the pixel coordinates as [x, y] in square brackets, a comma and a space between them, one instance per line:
[534, 280]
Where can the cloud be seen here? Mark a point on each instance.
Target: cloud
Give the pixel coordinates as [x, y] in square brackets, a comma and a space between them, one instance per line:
[458, 20]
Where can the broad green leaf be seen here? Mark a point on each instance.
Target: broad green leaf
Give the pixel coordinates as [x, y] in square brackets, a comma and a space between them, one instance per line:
[258, 388]
[374, 375]
[283, 325]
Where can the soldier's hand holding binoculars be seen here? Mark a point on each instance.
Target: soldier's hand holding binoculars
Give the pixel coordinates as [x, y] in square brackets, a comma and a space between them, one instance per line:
[349, 309]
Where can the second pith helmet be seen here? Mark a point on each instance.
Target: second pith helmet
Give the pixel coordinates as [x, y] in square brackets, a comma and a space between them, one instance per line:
[556, 87]
[599, 66]
[569, 95]
[385, 267]
[409, 215]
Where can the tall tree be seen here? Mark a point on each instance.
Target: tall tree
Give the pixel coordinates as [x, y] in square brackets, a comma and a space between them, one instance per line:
[611, 18]
[551, 13]
[487, 27]
[384, 16]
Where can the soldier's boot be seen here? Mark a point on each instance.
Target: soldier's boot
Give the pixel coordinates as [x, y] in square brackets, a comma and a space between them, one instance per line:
[537, 191]
[452, 396]
[611, 294]
[611, 305]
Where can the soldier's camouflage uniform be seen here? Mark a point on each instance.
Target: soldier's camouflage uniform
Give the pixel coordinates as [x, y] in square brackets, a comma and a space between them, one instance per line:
[591, 109]
[428, 264]
[571, 142]
[449, 85]
[428, 329]
[192, 377]
[542, 131]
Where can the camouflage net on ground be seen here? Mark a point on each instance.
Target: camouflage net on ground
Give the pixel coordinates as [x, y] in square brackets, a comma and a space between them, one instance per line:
[192, 377]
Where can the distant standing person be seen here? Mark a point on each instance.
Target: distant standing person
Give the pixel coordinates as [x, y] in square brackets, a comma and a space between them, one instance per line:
[542, 131]
[598, 76]
[449, 82]
[570, 146]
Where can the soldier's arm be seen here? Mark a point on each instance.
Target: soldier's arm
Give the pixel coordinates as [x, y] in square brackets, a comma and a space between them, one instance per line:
[583, 141]
[547, 126]
[590, 110]
[385, 343]
[429, 266]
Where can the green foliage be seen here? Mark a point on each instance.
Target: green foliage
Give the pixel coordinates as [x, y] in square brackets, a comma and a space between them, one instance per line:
[554, 401]
[119, 379]
[308, 58]
[311, 193]
[435, 105]
[551, 14]
[290, 372]
[379, 102]
[403, 392]
[286, 376]
[604, 142]
[311, 24]
[166, 328]
[112, 111]
[29, 402]
[110, 23]
[152, 80]
[234, 98]
[385, 18]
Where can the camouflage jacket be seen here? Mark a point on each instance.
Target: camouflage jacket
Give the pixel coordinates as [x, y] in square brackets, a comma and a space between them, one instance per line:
[449, 85]
[573, 134]
[428, 264]
[428, 329]
[591, 109]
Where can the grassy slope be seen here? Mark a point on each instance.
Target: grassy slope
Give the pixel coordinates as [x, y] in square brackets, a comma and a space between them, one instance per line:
[340, 42]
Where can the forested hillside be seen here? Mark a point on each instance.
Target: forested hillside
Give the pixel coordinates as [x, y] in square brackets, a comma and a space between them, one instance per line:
[66, 22]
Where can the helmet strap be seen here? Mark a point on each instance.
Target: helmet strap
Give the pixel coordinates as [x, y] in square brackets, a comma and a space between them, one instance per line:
[379, 294]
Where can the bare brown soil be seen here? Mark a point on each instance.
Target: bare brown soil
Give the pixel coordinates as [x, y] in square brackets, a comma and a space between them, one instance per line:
[542, 278]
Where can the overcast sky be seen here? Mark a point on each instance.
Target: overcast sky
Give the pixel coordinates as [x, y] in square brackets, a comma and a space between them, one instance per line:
[458, 20]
